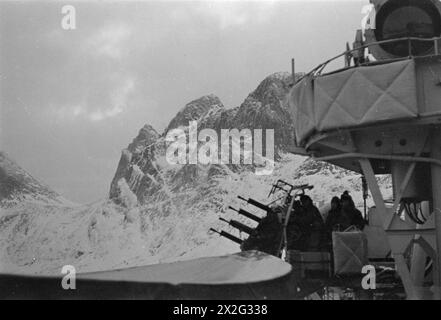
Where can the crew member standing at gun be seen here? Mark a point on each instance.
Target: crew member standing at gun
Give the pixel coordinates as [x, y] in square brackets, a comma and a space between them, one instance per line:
[350, 211]
[299, 228]
[336, 220]
[343, 215]
[314, 221]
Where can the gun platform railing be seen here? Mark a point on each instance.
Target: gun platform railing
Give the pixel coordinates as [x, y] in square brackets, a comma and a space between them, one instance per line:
[317, 71]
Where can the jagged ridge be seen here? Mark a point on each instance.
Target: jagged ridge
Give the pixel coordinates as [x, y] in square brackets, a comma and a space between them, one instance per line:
[264, 108]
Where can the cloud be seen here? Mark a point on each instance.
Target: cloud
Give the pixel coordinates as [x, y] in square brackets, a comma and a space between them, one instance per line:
[227, 14]
[99, 84]
[119, 102]
[104, 114]
[236, 13]
[108, 41]
[66, 112]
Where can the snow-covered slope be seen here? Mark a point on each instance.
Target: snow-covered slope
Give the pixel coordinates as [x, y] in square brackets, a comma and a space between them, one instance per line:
[17, 186]
[158, 212]
[41, 238]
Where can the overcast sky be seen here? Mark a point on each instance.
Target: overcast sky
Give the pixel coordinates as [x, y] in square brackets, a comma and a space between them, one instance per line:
[72, 100]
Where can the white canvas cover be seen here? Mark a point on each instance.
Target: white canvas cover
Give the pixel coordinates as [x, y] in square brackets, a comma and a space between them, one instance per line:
[301, 102]
[354, 97]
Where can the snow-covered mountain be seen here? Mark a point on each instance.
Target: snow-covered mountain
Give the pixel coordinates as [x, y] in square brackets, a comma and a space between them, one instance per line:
[158, 212]
[143, 167]
[16, 186]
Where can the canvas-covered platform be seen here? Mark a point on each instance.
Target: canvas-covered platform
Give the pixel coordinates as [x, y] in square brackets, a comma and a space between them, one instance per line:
[246, 275]
[366, 95]
[247, 267]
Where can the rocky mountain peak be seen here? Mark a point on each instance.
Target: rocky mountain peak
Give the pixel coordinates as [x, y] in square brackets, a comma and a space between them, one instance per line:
[146, 136]
[144, 175]
[274, 87]
[266, 108]
[195, 110]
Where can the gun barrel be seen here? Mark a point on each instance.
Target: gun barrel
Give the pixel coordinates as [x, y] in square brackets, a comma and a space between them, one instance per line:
[258, 204]
[255, 203]
[249, 215]
[241, 227]
[238, 225]
[230, 237]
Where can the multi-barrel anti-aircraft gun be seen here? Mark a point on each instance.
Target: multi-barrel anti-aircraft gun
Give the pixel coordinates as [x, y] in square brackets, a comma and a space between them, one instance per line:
[289, 193]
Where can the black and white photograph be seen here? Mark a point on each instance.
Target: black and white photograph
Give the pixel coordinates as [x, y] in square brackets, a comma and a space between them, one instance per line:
[220, 154]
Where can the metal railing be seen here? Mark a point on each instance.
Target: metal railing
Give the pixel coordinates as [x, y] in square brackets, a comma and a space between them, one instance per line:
[317, 71]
